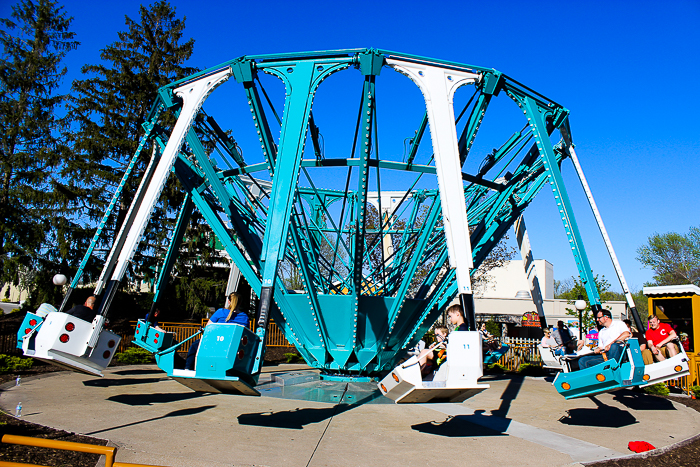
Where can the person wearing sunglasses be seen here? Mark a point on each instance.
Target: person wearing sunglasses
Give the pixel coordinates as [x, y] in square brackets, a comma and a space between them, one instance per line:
[611, 340]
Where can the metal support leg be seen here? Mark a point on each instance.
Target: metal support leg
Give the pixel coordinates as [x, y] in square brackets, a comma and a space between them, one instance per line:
[438, 86]
[193, 95]
[537, 119]
[301, 82]
[183, 220]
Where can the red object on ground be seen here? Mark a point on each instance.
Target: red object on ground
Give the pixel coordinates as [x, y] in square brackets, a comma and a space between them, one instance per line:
[640, 446]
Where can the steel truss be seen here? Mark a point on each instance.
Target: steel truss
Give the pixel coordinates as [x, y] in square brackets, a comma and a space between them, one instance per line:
[367, 288]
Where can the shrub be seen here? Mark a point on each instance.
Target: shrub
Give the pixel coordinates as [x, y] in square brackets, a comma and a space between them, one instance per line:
[293, 358]
[497, 368]
[134, 356]
[658, 389]
[529, 369]
[12, 364]
[695, 390]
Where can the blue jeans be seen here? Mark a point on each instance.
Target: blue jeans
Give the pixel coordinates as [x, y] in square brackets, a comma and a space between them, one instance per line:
[588, 361]
[192, 355]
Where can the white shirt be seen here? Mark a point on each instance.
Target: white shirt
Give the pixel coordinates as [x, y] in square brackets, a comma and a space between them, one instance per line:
[610, 334]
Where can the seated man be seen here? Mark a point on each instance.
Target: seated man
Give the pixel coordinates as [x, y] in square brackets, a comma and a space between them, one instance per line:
[647, 356]
[659, 337]
[547, 340]
[611, 340]
[564, 339]
[85, 312]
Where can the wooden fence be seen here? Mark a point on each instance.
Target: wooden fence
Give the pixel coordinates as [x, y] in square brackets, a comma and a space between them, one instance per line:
[274, 336]
[8, 339]
[521, 350]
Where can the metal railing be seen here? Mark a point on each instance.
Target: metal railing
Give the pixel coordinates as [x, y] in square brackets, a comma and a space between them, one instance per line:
[108, 451]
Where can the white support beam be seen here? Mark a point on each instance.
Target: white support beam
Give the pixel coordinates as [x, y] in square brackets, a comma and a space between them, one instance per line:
[438, 86]
[193, 95]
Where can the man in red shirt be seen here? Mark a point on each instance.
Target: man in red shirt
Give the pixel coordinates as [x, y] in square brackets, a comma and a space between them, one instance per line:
[659, 337]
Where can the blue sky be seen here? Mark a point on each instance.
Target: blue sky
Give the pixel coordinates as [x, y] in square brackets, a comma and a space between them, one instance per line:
[627, 71]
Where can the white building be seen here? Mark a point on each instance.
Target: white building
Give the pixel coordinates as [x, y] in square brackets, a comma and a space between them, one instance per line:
[506, 298]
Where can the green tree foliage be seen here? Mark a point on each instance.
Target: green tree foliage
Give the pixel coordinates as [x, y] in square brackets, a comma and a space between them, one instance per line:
[576, 289]
[493, 327]
[196, 294]
[641, 302]
[675, 258]
[109, 106]
[35, 41]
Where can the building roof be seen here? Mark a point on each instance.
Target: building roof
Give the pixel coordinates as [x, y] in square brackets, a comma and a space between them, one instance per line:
[688, 289]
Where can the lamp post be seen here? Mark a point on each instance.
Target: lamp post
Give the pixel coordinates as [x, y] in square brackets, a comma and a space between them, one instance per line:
[580, 305]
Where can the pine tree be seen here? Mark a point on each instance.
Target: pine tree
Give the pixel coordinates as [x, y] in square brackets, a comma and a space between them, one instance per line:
[32, 211]
[109, 106]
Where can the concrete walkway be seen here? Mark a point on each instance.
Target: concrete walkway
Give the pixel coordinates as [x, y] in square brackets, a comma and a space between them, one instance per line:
[519, 421]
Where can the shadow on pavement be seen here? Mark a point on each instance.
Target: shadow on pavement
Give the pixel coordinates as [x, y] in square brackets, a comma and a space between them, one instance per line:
[175, 413]
[141, 371]
[602, 416]
[297, 418]
[455, 427]
[157, 398]
[509, 394]
[641, 401]
[109, 382]
[291, 419]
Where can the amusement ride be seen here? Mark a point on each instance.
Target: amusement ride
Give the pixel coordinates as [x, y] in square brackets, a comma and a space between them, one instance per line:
[382, 238]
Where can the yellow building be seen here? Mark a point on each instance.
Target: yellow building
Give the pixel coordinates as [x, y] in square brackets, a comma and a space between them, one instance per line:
[679, 306]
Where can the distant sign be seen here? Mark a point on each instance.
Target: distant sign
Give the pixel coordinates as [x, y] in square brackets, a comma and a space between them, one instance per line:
[530, 320]
[592, 336]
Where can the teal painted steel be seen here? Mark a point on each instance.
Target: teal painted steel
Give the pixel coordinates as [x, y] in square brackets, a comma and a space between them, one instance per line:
[604, 377]
[183, 220]
[304, 242]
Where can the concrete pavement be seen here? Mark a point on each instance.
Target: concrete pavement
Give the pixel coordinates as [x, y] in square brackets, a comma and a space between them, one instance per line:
[519, 421]
[7, 307]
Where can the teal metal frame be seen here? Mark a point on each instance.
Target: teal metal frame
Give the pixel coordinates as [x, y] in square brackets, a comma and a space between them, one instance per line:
[356, 306]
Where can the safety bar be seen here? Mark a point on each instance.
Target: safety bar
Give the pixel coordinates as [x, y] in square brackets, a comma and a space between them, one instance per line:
[31, 331]
[174, 347]
[108, 451]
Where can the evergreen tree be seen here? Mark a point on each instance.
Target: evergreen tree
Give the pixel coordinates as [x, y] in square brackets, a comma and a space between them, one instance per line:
[110, 104]
[34, 41]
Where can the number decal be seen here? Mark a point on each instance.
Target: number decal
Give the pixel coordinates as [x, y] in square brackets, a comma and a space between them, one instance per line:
[220, 338]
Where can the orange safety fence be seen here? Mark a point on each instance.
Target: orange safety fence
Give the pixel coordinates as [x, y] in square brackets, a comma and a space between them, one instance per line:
[274, 336]
[108, 451]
